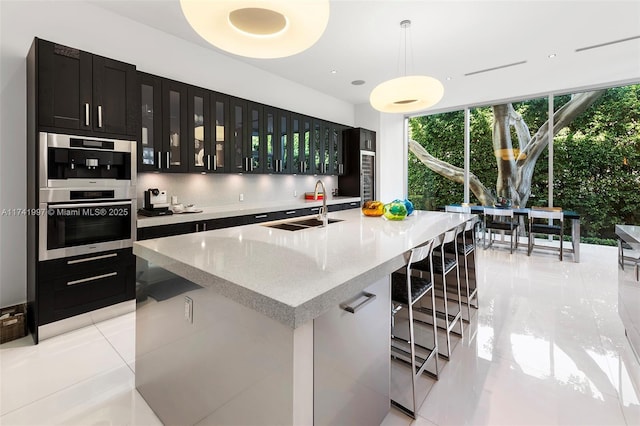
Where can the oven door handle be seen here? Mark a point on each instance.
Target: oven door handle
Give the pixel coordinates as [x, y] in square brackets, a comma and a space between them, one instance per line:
[74, 206]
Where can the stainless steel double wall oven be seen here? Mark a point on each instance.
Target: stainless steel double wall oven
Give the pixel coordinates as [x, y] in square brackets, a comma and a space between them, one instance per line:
[87, 195]
[85, 227]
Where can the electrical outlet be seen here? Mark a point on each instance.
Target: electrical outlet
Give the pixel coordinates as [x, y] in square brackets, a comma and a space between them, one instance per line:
[295, 193]
[241, 197]
[188, 309]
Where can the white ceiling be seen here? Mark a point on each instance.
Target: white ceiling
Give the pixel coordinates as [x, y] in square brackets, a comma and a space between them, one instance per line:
[449, 39]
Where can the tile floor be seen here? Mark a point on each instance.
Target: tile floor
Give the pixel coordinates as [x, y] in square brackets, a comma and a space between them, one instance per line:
[546, 347]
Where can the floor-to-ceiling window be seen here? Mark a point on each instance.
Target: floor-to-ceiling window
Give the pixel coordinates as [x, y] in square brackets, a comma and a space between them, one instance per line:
[587, 144]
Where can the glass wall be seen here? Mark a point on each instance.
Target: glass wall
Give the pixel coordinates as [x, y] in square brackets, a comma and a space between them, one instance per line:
[597, 160]
[595, 157]
[442, 136]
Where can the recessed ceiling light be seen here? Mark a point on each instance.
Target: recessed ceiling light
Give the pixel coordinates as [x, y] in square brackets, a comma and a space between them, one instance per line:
[357, 82]
[334, 72]
[551, 55]
[449, 78]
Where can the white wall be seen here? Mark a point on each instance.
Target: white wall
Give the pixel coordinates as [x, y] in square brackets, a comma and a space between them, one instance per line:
[84, 26]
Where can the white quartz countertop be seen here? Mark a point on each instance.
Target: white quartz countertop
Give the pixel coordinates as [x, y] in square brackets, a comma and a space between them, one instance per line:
[295, 276]
[239, 209]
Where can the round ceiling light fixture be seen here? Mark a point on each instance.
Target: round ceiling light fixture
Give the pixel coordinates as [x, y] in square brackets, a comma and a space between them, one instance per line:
[409, 93]
[258, 28]
[406, 94]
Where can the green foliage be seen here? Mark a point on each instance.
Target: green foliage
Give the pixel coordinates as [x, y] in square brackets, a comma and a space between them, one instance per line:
[596, 159]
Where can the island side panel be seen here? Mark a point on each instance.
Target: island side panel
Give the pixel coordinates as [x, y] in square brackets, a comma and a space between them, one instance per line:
[204, 359]
[352, 359]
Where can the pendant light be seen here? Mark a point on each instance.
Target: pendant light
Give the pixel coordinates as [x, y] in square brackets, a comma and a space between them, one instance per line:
[409, 93]
[258, 28]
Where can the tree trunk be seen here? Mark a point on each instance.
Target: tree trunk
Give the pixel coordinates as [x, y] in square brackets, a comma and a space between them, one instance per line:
[453, 173]
[515, 172]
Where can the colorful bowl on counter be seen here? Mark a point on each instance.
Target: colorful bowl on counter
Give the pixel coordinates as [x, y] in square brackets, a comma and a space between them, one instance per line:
[373, 208]
[395, 210]
[408, 204]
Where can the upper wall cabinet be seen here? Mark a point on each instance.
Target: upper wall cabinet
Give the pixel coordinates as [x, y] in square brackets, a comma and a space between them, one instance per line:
[220, 134]
[190, 129]
[150, 145]
[199, 130]
[85, 93]
[164, 130]
[277, 137]
[301, 144]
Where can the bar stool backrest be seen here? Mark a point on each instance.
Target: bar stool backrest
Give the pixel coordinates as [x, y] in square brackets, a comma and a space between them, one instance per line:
[457, 209]
[451, 234]
[498, 212]
[421, 252]
[546, 214]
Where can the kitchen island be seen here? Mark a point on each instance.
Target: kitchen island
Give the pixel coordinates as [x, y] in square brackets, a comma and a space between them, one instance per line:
[251, 324]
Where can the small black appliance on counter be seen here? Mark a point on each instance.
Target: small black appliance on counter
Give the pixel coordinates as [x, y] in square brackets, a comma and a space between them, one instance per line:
[155, 203]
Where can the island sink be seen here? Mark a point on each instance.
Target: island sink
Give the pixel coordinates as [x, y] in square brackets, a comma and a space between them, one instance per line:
[297, 225]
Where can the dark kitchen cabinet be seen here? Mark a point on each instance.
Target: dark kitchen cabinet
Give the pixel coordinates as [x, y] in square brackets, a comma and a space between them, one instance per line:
[208, 131]
[277, 136]
[220, 134]
[199, 130]
[255, 144]
[164, 131]
[317, 147]
[237, 152]
[282, 155]
[367, 139]
[335, 150]
[85, 93]
[79, 284]
[150, 146]
[327, 149]
[190, 227]
[301, 144]
[358, 179]
[269, 140]
[174, 156]
[247, 151]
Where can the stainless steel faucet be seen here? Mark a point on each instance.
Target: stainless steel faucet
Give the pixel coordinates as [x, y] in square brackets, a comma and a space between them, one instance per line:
[322, 215]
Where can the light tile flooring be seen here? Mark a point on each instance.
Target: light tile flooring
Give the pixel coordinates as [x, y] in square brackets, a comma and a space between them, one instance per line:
[546, 347]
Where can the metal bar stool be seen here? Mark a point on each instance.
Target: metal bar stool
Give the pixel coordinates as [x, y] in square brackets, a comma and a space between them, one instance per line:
[502, 220]
[467, 257]
[546, 228]
[442, 265]
[407, 288]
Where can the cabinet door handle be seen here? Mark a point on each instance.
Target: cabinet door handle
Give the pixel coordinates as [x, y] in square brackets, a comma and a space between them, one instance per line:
[215, 163]
[340, 168]
[168, 160]
[99, 115]
[159, 160]
[290, 212]
[197, 227]
[97, 277]
[370, 297]
[204, 226]
[87, 114]
[260, 216]
[90, 259]
[209, 162]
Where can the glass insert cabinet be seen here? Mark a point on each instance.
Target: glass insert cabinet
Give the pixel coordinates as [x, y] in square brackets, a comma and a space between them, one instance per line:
[190, 129]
